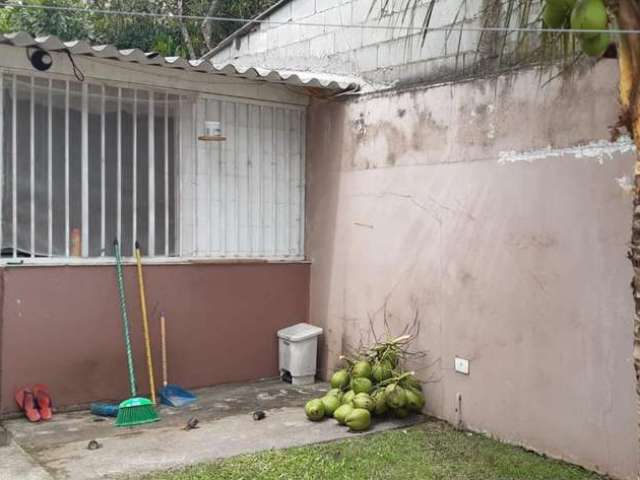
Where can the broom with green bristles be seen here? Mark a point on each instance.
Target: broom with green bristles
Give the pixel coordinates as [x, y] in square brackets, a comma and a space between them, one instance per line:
[135, 410]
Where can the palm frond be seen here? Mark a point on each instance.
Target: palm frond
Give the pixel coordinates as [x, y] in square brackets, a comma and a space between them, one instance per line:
[498, 50]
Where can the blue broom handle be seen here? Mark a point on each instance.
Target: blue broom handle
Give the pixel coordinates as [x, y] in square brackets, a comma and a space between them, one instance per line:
[125, 318]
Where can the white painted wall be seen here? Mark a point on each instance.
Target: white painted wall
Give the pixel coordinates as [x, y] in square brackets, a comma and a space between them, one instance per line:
[389, 54]
[500, 213]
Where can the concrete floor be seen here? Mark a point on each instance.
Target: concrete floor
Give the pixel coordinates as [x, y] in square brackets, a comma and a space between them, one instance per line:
[58, 449]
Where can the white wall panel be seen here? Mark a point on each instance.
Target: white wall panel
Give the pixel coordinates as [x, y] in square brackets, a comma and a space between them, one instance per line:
[249, 187]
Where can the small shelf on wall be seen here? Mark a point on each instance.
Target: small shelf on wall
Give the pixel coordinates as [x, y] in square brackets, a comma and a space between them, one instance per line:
[212, 138]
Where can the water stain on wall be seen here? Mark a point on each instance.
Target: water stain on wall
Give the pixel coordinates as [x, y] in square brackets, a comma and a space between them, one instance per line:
[381, 142]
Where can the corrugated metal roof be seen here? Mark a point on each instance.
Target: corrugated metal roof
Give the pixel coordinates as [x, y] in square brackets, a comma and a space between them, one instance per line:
[135, 55]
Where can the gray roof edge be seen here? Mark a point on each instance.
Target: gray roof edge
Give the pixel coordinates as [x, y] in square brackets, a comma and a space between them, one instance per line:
[244, 29]
[336, 83]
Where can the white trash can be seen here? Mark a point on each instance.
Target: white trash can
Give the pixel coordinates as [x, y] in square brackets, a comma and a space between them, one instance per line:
[298, 349]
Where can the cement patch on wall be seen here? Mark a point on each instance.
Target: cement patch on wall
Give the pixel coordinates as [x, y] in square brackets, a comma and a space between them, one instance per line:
[518, 266]
[61, 326]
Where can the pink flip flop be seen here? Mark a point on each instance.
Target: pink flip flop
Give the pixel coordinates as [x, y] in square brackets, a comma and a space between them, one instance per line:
[26, 402]
[43, 400]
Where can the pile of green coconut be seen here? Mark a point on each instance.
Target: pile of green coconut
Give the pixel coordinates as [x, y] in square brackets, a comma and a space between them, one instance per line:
[372, 384]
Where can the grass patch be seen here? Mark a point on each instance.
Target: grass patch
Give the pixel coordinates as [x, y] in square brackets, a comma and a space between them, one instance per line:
[431, 451]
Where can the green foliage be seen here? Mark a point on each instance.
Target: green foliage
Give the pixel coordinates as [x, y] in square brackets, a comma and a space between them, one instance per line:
[235, 9]
[66, 25]
[162, 35]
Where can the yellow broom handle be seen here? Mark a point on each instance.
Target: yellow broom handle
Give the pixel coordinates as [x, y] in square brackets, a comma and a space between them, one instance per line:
[145, 325]
[163, 335]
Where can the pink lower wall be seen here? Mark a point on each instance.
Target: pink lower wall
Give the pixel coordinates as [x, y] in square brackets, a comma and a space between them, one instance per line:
[61, 326]
[498, 212]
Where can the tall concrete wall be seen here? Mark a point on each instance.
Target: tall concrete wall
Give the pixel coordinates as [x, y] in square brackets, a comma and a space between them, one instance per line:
[61, 326]
[499, 211]
[380, 54]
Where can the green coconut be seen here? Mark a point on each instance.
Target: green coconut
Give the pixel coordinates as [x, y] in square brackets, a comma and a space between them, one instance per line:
[314, 409]
[362, 369]
[340, 379]
[361, 385]
[347, 398]
[401, 412]
[336, 392]
[415, 400]
[363, 400]
[359, 419]
[412, 382]
[589, 15]
[595, 46]
[380, 399]
[330, 403]
[382, 371]
[341, 412]
[557, 13]
[396, 396]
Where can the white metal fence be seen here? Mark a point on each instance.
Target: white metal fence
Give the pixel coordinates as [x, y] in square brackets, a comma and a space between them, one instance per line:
[243, 197]
[84, 163]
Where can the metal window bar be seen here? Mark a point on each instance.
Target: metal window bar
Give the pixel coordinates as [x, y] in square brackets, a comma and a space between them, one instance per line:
[134, 174]
[263, 157]
[286, 144]
[119, 167]
[302, 182]
[215, 241]
[222, 185]
[230, 183]
[249, 172]
[14, 165]
[151, 225]
[85, 171]
[67, 139]
[50, 168]
[103, 173]
[194, 227]
[210, 177]
[166, 175]
[202, 199]
[236, 169]
[32, 169]
[294, 185]
[180, 178]
[291, 186]
[274, 181]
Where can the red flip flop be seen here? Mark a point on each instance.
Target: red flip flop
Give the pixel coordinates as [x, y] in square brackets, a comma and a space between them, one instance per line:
[43, 400]
[26, 402]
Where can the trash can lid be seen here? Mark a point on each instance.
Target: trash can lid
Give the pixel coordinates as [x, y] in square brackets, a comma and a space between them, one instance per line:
[299, 332]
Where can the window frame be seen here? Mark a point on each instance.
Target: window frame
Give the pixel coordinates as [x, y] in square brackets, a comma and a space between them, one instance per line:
[184, 96]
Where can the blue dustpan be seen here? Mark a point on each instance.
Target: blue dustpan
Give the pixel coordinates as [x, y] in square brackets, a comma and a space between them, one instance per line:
[176, 396]
[169, 394]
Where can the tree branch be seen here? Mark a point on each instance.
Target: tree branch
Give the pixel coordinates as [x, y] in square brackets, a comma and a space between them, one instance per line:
[205, 27]
[185, 33]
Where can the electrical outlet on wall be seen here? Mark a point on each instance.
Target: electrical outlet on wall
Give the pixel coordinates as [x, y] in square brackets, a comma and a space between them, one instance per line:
[461, 365]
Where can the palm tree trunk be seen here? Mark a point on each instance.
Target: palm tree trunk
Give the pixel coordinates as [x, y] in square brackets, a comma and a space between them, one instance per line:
[628, 15]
